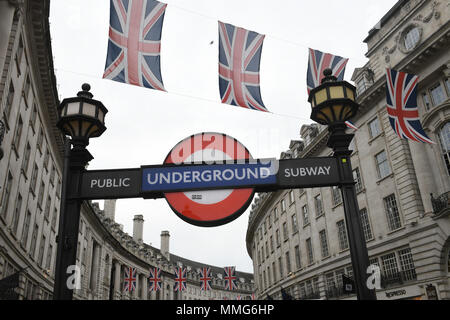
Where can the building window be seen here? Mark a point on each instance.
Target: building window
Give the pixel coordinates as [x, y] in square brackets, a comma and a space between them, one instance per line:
[6, 194]
[407, 264]
[298, 261]
[390, 267]
[444, 139]
[27, 86]
[18, 134]
[288, 262]
[33, 117]
[49, 257]
[58, 189]
[267, 249]
[318, 204]
[34, 176]
[26, 159]
[342, 235]
[275, 213]
[285, 231]
[277, 237]
[55, 215]
[294, 223]
[16, 216]
[47, 208]
[323, 243]
[26, 229]
[274, 272]
[437, 94]
[41, 194]
[411, 38]
[41, 251]
[305, 215]
[19, 54]
[392, 214]
[374, 128]
[9, 101]
[357, 179]
[40, 139]
[336, 195]
[291, 197]
[280, 265]
[426, 101]
[46, 159]
[34, 240]
[365, 223]
[271, 244]
[382, 165]
[283, 206]
[309, 250]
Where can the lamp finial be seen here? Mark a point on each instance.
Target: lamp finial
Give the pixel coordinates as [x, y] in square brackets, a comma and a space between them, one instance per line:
[328, 73]
[85, 93]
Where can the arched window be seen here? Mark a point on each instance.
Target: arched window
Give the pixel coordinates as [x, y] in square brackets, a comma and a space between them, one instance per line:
[444, 139]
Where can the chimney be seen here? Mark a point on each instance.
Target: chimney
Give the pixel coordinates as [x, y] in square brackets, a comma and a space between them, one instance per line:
[138, 228]
[165, 237]
[110, 208]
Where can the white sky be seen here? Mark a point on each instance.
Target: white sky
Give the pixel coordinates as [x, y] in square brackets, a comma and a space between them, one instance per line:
[144, 124]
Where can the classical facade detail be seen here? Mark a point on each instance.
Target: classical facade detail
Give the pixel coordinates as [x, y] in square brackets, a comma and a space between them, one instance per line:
[30, 187]
[297, 238]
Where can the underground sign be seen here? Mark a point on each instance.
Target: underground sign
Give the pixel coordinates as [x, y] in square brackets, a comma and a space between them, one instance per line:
[211, 207]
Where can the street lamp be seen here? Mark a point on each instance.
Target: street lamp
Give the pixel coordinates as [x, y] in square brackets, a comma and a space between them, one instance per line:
[80, 118]
[333, 103]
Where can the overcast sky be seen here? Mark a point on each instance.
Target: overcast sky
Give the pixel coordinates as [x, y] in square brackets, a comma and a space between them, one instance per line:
[143, 124]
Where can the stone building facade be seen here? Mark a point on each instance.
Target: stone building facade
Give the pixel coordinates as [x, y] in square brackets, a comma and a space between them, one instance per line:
[30, 186]
[298, 239]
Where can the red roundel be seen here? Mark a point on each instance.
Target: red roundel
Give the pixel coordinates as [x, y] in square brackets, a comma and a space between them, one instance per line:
[209, 208]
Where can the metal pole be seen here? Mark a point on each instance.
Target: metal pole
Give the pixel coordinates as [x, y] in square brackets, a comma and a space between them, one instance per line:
[340, 141]
[75, 161]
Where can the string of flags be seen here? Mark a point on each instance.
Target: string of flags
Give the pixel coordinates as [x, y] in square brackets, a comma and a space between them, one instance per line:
[133, 57]
[180, 281]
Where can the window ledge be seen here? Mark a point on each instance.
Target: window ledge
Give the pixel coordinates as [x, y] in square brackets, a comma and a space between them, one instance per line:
[375, 138]
[384, 178]
[321, 215]
[396, 230]
[305, 225]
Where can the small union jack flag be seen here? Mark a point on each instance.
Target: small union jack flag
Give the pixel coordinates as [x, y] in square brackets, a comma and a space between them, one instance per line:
[155, 279]
[239, 59]
[319, 61]
[230, 278]
[205, 279]
[351, 125]
[130, 279]
[180, 279]
[134, 43]
[401, 100]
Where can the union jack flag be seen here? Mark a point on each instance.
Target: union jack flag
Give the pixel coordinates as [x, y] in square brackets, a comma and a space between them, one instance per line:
[230, 278]
[180, 279]
[130, 279]
[205, 279]
[401, 100]
[134, 43]
[239, 58]
[351, 125]
[319, 61]
[155, 279]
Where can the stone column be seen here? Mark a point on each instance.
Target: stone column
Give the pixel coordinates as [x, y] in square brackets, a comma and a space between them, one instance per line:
[135, 294]
[144, 287]
[117, 279]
